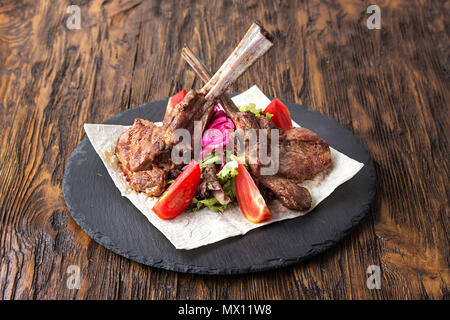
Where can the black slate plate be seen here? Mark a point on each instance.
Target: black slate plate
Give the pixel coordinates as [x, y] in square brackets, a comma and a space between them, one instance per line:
[111, 220]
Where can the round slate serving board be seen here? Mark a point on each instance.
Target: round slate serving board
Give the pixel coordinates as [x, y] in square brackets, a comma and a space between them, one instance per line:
[111, 220]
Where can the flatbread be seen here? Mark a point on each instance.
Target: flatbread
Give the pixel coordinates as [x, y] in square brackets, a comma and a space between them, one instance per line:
[195, 229]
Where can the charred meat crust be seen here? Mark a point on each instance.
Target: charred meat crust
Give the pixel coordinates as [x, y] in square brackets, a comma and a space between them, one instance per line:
[151, 182]
[288, 192]
[135, 150]
[184, 113]
[135, 145]
[303, 154]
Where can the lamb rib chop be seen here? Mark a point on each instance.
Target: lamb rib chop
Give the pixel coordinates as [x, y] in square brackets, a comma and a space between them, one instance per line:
[302, 152]
[144, 150]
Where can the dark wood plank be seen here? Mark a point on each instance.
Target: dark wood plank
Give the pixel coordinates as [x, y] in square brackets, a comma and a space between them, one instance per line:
[389, 86]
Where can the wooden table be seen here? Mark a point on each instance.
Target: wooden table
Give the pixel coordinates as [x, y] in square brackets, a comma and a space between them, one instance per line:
[390, 87]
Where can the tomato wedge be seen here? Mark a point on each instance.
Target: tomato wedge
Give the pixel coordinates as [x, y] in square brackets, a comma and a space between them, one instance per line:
[281, 116]
[174, 100]
[180, 193]
[249, 198]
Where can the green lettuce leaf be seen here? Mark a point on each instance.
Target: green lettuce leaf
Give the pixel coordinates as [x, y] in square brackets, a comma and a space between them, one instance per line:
[228, 171]
[211, 203]
[252, 108]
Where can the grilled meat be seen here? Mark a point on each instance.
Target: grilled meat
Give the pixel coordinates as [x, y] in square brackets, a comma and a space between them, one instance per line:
[303, 154]
[290, 194]
[151, 182]
[136, 146]
[132, 151]
[183, 115]
[265, 123]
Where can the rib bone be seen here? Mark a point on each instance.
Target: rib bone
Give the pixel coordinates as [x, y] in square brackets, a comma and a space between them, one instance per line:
[256, 42]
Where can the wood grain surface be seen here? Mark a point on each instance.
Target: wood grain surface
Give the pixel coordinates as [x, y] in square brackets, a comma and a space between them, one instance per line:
[389, 86]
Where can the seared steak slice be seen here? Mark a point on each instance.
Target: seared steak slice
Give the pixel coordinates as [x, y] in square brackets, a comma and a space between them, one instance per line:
[242, 120]
[265, 123]
[303, 154]
[151, 182]
[132, 150]
[290, 194]
[135, 145]
[184, 113]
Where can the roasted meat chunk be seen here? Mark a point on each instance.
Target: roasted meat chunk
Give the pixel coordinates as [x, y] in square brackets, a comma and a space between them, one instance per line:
[290, 194]
[135, 146]
[151, 182]
[303, 154]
